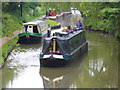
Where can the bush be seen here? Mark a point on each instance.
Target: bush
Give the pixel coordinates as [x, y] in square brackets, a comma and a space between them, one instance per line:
[9, 25]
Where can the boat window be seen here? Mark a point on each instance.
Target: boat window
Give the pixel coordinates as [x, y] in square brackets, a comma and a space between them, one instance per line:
[43, 26]
[35, 30]
[30, 26]
[30, 29]
[26, 28]
[23, 28]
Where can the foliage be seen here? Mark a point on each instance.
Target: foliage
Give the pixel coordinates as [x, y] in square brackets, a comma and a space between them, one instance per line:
[97, 15]
[6, 48]
[9, 25]
[102, 16]
[113, 17]
[11, 16]
[12, 21]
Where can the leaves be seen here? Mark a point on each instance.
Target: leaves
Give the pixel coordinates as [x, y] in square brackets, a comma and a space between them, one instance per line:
[97, 15]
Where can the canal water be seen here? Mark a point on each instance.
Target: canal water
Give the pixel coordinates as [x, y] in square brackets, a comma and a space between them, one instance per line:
[97, 68]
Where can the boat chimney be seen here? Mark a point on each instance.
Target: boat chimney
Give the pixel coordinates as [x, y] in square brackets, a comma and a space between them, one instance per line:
[48, 33]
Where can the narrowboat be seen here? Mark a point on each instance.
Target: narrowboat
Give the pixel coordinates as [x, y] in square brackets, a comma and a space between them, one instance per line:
[33, 32]
[54, 18]
[63, 48]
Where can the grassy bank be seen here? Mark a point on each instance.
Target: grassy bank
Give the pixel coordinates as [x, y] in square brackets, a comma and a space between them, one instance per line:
[6, 48]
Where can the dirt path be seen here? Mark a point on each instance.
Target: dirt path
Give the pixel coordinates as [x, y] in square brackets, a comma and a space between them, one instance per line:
[5, 39]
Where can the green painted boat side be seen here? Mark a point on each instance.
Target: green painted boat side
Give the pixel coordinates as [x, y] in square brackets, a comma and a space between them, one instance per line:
[28, 33]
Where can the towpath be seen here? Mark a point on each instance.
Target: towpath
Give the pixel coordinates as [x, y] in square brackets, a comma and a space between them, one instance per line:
[5, 39]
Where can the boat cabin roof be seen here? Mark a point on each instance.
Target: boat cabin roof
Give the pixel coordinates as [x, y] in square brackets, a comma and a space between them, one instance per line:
[65, 35]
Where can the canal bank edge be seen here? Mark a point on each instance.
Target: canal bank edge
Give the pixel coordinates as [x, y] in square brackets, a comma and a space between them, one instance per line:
[6, 49]
[11, 48]
[102, 31]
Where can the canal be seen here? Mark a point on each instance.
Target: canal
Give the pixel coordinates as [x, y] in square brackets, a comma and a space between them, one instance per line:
[98, 68]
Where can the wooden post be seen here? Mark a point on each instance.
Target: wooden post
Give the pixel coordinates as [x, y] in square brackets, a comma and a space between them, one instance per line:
[54, 45]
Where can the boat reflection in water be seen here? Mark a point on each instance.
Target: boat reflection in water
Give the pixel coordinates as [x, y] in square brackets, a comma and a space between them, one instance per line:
[61, 77]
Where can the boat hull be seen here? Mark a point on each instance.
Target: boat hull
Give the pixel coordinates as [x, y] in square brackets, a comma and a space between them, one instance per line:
[29, 39]
[54, 62]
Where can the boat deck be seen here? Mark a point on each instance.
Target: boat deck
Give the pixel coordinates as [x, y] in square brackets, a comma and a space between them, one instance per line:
[65, 35]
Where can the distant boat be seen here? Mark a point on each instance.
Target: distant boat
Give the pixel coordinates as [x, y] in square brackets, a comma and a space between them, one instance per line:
[63, 48]
[58, 15]
[33, 32]
[54, 18]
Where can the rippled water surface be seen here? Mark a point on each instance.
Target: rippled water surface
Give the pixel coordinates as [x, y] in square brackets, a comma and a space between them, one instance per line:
[98, 68]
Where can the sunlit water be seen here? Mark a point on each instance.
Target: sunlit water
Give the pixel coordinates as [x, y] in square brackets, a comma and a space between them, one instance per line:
[98, 68]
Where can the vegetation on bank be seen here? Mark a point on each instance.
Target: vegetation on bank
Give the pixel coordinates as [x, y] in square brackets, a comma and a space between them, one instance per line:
[103, 16]
[97, 15]
[13, 17]
[5, 49]
[12, 21]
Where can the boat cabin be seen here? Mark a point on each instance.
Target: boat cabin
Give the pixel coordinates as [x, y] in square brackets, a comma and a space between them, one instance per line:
[64, 43]
[36, 26]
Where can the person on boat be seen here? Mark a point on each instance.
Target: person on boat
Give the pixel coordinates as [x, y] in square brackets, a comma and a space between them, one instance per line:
[47, 13]
[52, 13]
[79, 24]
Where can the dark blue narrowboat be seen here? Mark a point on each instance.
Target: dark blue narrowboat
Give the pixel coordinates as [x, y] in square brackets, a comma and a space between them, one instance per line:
[63, 48]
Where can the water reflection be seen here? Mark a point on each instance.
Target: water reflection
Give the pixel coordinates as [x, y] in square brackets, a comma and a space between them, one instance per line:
[96, 69]
[21, 67]
[63, 77]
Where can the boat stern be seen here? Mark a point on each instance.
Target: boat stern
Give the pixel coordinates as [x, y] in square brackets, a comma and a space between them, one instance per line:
[53, 60]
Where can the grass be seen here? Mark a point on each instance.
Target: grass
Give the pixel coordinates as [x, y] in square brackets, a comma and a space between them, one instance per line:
[6, 48]
[10, 24]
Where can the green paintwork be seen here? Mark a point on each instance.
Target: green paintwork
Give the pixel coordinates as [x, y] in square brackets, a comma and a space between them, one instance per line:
[28, 33]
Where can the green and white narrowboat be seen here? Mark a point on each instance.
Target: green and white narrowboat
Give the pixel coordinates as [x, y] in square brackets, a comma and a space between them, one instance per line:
[33, 32]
